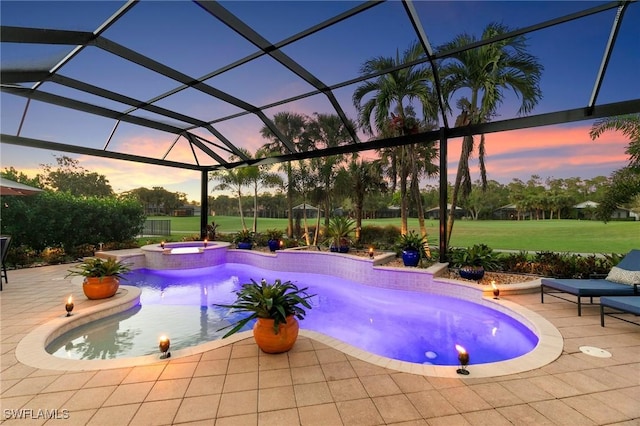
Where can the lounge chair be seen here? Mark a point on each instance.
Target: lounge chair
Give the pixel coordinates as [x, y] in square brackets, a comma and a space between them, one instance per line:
[619, 304]
[622, 280]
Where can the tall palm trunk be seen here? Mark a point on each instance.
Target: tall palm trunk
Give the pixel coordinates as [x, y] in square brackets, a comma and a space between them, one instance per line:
[415, 191]
[463, 167]
[255, 207]
[289, 200]
[244, 224]
[404, 204]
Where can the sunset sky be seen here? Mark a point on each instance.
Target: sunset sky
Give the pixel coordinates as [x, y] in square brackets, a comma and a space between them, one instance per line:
[571, 56]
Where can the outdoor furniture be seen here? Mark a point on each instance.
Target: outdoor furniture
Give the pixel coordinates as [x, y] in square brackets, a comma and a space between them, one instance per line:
[5, 241]
[620, 304]
[610, 286]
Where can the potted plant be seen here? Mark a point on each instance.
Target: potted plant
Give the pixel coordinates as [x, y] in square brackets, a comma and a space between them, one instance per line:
[101, 276]
[274, 236]
[276, 307]
[338, 233]
[244, 239]
[474, 261]
[412, 246]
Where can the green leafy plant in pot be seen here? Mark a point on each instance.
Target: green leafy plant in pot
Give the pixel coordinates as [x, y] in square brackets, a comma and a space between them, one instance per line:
[244, 239]
[273, 238]
[276, 307]
[411, 245]
[474, 261]
[101, 276]
[339, 232]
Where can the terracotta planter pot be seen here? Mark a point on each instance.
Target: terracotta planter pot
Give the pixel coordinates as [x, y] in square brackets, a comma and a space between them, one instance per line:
[100, 288]
[272, 343]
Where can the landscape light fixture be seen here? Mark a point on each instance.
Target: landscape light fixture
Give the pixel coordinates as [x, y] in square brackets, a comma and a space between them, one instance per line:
[69, 306]
[496, 290]
[371, 252]
[164, 345]
[463, 357]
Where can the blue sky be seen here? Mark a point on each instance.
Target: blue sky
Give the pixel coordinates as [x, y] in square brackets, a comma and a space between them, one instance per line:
[195, 43]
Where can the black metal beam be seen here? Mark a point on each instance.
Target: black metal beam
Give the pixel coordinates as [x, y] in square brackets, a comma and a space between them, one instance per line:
[75, 149]
[613, 35]
[443, 196]
[263, 44]
[204, 203]
[146, 62]
[559, 117]
[9, 34]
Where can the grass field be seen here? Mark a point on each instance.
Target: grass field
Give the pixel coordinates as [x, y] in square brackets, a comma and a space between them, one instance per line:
[577, 236]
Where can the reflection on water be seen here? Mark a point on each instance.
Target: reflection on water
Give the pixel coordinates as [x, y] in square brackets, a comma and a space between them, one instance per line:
[409, 326]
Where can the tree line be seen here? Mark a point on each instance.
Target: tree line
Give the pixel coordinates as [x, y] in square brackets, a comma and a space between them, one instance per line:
[534, 199]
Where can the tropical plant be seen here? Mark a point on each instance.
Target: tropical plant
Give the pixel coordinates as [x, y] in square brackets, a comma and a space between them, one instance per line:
[96, 267]
[624, 183]
[339, 231]
[391, 92]
[258, 177]
[290, 137]
[328, 131]
[486, 71]
[233, 180]
[478, 255]
[211, 231]
[274, 301]
[357, 180]
[274, 234]
[412, 241]
[243, 236]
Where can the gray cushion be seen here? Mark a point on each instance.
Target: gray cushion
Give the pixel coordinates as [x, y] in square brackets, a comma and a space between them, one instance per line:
[623, 276]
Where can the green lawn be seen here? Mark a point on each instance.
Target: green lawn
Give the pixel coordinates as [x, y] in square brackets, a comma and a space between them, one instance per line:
[578, 236]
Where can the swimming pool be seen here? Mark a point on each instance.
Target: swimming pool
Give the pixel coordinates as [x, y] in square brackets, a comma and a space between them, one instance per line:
[421, 328]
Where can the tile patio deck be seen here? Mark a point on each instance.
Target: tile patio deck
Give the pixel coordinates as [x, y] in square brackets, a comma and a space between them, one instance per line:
[313, 384]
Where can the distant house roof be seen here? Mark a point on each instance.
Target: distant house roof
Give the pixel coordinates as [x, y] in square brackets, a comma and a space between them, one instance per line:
[305, 206]
[586, 204]
[448, 208]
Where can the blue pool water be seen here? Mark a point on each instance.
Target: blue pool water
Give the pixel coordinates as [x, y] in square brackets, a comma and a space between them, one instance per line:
[408, 326]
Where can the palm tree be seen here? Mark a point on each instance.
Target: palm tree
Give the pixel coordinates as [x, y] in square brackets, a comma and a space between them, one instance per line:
[395, 91]
[257, 177]
[362, 178]
[234, 180]
[327, 131]
[486, 71]
[292, 126]
[625, 182]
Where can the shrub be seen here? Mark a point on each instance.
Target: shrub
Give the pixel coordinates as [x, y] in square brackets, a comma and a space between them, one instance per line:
[382, 237]
[476, 255]
[55, 219]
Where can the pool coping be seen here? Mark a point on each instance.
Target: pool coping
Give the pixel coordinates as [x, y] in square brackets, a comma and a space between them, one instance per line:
[31, 349]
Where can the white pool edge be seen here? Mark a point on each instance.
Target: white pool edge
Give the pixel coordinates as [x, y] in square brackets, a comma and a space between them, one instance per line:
[31, 349]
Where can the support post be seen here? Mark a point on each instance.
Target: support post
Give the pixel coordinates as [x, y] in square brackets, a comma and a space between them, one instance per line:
[444, 186]
[204, 203]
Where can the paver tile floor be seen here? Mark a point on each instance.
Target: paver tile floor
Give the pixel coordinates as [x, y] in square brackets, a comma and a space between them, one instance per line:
[313, 384]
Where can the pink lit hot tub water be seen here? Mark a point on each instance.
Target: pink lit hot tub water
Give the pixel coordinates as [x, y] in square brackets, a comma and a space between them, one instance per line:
[404, 325]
